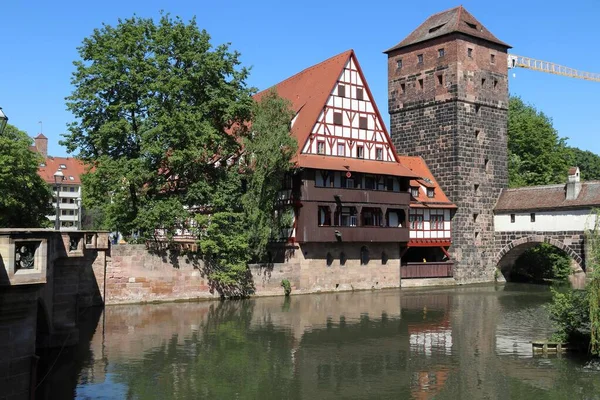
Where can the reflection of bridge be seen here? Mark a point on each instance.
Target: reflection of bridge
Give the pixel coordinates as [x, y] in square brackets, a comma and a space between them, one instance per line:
[553, 214]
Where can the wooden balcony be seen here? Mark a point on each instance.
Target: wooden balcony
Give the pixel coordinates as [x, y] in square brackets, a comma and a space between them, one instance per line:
[413, 270]
[375, 234]
[347, 196]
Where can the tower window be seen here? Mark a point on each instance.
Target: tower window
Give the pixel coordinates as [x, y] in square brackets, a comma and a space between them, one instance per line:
[403, 88]
[475, 217]
[320, 147]
[362, 123]
[441, 52]
[421, 84]
[359, 94]
[440, 79]
[495, 83]
[477, 134]
[341, 90]
[492, 58]
[476, 188]
[486, 164]
[532, 217]
[470, 53]
[482, 81]
[419, 58]
[399, 63]
[337, 118]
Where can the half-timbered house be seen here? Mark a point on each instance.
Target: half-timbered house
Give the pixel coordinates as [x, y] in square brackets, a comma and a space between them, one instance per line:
[350, 192]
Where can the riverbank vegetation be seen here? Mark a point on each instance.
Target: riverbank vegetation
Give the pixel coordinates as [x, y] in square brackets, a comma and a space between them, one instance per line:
[177, 142]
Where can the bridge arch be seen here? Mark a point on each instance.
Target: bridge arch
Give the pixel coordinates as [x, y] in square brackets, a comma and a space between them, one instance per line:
[511, 251]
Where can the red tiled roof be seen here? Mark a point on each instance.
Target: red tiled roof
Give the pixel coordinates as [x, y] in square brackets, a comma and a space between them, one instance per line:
[353, 165]
[547, 198]
[308, 91]
[450, 21]
[418, 166]
[74, 168]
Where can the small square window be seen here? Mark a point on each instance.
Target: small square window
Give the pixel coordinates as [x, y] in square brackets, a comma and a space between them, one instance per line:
[421, 84]
[414, 191]
[360, 152]
[512, 218]
[430, 192]
[470, 53]
[341, 149]
[492, 58]
[341, 90]
[441, 52]
[320, 147]
[337, 118]
[359, 94]
[379, 154]
[399, 63]
[403, 88]
[532, 217]
[362, 122]
[419, 58]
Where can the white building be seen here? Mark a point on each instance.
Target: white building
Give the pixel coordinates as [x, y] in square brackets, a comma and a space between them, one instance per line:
[67, 189]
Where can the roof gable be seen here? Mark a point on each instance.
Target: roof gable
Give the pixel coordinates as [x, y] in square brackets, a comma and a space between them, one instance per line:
[338, 86]
[446, 22]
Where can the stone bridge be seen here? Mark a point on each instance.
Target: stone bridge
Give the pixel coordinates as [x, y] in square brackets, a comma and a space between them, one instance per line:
[46, 278]
[511, 245]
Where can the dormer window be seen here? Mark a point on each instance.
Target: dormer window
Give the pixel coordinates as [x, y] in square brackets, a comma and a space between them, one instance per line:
[430, 192]
[71, 178]
[414, 191]
[63, 166]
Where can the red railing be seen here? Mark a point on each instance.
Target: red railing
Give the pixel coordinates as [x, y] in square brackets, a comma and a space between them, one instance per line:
[427, 270]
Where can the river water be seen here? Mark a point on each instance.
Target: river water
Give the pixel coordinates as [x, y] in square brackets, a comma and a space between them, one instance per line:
[459, 343]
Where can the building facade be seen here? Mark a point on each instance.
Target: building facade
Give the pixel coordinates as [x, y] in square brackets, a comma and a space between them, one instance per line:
[448, 102]
[67, 189]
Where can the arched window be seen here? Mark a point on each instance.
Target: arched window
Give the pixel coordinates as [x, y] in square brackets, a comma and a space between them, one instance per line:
[364, 255]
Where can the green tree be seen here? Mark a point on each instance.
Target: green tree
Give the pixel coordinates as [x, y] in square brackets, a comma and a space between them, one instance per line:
[536, 154]
[25, 197]
[163, 118]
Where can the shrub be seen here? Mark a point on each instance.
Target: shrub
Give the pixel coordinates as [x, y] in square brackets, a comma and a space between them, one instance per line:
[287, 287]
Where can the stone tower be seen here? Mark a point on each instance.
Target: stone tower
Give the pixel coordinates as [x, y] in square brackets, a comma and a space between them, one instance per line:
[448, 102]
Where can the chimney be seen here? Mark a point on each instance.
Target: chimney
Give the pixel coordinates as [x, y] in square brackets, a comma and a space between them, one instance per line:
[41, 144]
[573, 184]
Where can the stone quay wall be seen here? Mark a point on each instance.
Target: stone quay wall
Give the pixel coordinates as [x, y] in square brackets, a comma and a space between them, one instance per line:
[135, 274]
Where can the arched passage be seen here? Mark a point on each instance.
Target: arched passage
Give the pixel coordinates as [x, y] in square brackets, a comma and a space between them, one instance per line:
[507, 256]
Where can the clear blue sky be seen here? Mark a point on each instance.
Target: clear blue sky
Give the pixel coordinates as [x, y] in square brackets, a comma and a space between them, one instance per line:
[38, 41]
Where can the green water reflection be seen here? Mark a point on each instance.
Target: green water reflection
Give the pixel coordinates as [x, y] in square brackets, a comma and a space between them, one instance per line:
[458, 343]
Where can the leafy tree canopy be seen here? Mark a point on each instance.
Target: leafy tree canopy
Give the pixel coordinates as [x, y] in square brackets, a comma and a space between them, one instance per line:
[163, 117]
[25, 199]
[537, 155]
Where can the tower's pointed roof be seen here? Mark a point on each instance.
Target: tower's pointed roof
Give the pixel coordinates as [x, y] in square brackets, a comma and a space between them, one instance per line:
[446, 22]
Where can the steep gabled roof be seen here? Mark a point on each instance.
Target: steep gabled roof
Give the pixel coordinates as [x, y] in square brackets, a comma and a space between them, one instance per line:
[446, 22]
[308, 92]
[419, 167]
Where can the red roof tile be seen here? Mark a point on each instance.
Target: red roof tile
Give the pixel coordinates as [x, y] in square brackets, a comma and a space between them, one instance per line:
[547, 198]
[418, 166]
[74, 168]
[446, 22]
[354, 165]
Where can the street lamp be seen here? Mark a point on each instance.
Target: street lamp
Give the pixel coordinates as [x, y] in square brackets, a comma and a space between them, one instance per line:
[78, 201]
[3, 121]
[57, 174]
